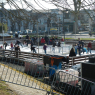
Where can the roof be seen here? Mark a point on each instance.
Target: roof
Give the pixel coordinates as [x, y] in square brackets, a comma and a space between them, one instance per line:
[5, 34]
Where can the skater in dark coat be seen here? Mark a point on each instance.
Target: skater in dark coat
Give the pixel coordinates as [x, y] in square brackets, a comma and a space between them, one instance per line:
[5, 44]
[33, 49]
[79, 49]
[45, 47]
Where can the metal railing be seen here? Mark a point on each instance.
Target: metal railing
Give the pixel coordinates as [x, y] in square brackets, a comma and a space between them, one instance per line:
[78, 59]
[34, 74]
[7, 54]
[69, 83]
[28, 70]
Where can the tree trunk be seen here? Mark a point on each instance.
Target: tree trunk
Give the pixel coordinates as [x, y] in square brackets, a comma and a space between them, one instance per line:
[76, 17]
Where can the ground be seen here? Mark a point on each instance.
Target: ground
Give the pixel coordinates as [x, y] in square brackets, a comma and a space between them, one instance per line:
[5, 89]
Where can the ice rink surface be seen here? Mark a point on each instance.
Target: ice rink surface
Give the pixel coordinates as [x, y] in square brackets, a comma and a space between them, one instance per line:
[63, 50]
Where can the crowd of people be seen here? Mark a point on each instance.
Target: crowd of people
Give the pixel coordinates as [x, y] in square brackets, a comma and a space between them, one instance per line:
[42, 40]
[45, 41]
[80, 48]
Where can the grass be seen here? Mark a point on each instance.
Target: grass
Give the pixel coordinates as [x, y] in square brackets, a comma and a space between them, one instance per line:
[87, 38]
[63, 37]
[82, 38]
[5, 89]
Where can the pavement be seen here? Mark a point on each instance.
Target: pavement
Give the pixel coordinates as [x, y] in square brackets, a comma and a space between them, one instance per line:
[19, 82]
[81, 34]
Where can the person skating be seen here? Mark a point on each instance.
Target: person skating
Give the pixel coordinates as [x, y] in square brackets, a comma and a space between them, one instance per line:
[53, 46]
[79, 49]
[45, 47]
[42, 41]
[59, 46]
[5, 45]
[11, 46]
[33, 49]
[89, 47]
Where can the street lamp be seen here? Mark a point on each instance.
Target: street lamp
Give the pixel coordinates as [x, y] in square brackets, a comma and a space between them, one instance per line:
[38, 36]
[3, 22]
[3, 33]
[64, 11]
[63, 25]
[58, 26]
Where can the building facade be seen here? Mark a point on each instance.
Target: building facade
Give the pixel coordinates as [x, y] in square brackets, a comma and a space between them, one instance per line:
[54, 20]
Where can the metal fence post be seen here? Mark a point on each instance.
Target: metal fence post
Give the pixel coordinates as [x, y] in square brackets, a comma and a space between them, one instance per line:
[50, 48]
[72, 60]
[62, 50]
[85, 58]
[69, 48]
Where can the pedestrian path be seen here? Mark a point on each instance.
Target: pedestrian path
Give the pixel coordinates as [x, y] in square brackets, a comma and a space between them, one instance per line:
[20, 82]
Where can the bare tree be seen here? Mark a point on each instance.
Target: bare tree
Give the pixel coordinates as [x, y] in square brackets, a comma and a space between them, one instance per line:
[75, 6]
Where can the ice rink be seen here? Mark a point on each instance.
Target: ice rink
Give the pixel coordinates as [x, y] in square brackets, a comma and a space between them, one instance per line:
[63, 50]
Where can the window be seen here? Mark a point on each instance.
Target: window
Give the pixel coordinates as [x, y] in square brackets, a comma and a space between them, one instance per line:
[66, 15]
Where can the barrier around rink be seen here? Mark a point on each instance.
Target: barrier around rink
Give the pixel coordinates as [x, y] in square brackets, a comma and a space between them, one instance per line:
[60, 50]
[34, 74]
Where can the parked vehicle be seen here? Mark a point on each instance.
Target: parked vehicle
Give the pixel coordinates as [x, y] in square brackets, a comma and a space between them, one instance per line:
[30, 31]
[10, 32]
[33, 32]
[21, 32]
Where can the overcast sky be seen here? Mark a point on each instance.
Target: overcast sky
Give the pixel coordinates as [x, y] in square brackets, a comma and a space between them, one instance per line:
[39, 4]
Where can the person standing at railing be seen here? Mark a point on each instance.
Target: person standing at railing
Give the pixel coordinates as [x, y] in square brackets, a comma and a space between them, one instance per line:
[89, 47]
[17, 48]
[72, 52]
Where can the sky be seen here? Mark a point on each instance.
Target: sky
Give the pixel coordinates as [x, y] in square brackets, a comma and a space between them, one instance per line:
[41, 4]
